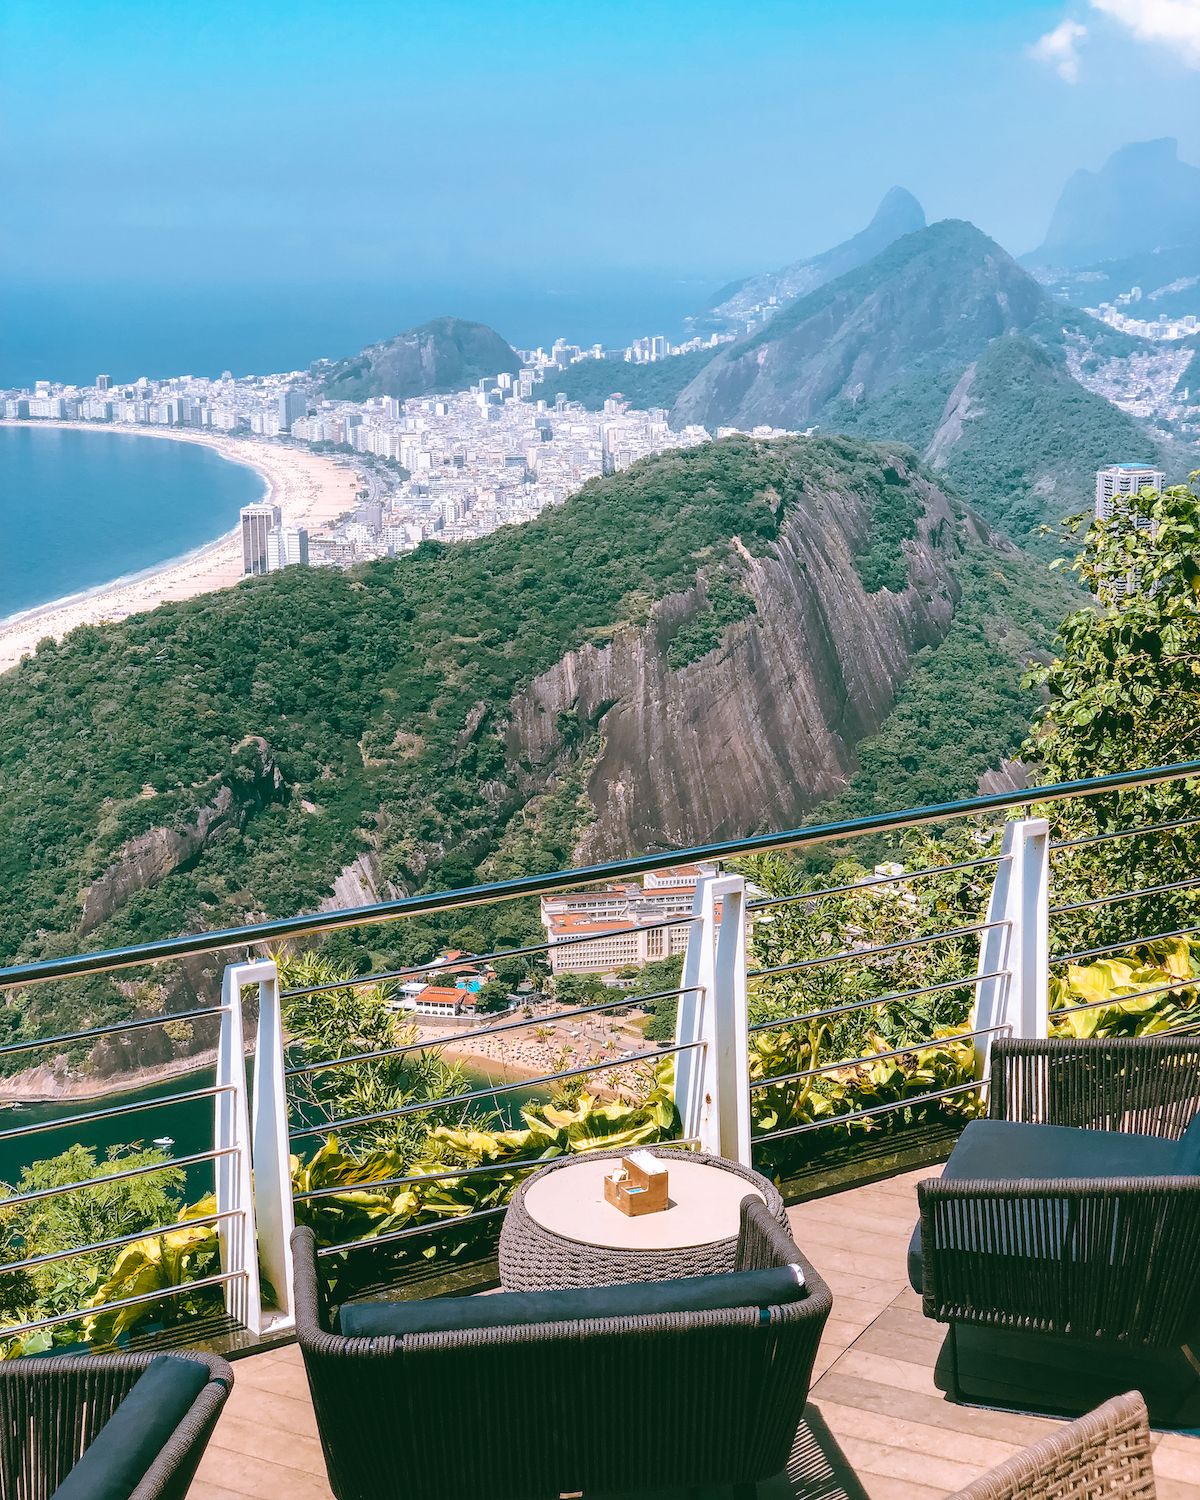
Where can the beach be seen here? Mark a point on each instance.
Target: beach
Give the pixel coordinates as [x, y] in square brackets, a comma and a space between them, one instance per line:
[310, 490]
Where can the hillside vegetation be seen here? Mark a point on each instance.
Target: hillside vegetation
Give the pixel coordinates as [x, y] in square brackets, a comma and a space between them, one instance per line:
[945, 343]
[224, 758]
[592, 381]
[446, 354]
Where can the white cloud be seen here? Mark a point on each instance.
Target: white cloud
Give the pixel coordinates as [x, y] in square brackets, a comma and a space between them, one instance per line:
[1173, 23]
[1060, 47]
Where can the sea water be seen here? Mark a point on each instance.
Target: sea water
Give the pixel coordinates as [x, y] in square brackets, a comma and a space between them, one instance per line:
[79, 508]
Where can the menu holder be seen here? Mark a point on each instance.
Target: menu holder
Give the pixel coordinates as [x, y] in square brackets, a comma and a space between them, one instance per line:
[638, 1185]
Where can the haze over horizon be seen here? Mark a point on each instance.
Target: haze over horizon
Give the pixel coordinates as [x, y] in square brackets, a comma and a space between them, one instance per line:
[237, 146]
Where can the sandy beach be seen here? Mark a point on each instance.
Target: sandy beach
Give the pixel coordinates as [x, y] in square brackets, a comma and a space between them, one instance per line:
[309, 489]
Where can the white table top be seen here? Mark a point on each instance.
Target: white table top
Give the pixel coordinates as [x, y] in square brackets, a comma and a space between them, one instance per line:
[703, 1205]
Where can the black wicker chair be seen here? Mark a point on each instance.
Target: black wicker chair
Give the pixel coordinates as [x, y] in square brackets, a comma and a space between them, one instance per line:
[602, 1405]
[51, 1411]
[1071, 1233]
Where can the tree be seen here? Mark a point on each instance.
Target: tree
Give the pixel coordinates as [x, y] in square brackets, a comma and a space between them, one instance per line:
[349, 1020]
[1123, 692]
[88, 1216]
[492, 998]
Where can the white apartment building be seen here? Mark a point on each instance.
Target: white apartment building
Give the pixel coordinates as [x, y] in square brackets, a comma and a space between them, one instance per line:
[1112, 483]
[287, 547]
[1124, 479]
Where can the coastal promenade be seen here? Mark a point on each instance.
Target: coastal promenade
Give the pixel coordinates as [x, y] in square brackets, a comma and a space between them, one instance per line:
[310, 490]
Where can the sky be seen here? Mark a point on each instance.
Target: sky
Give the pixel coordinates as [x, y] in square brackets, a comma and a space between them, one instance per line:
[303, 144]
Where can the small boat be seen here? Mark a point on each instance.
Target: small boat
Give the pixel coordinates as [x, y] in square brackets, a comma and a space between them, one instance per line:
[164, 1142]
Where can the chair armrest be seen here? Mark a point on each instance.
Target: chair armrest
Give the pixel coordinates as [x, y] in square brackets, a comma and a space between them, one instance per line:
[763, 1242]
[1107, 1451]
[1117, 1256]
[1146, 1085]
[312, 1323]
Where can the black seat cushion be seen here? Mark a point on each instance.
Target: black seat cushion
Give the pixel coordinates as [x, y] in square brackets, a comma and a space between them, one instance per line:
[1187, 1159]
[1011, 1150]
[770, 1288]
[136, 1433]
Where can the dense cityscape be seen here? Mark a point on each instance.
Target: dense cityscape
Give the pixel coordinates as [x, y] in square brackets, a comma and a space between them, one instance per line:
[447, 466]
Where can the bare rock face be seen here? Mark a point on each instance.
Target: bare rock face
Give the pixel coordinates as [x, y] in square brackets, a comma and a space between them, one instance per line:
[160, 852]
[763, 728]
[360, 883]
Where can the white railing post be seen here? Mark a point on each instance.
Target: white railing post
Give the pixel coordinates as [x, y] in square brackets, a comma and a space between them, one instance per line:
[1017, 951]
[712, 1081]
[231, 1137]
[274, 1206]
[258, 1177]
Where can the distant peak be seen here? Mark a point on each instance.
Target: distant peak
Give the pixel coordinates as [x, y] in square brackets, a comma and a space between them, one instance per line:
[899, 205]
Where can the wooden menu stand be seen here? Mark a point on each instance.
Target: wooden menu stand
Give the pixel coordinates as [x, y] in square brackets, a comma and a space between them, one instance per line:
[643, 1187]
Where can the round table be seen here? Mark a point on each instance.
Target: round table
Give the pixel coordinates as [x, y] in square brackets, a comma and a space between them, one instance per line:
[560, 1232]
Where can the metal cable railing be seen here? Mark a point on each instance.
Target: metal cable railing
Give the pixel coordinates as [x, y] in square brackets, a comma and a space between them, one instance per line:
[427, 1106]
[41, 971]
[306, 926]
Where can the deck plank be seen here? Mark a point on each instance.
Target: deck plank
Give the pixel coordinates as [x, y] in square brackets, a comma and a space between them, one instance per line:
[878, 1427]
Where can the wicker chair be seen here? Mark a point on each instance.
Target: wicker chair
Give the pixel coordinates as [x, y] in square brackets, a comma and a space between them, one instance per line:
[1106, 1452]
[1115, 1258]
[597, 1405]
[52, 1409]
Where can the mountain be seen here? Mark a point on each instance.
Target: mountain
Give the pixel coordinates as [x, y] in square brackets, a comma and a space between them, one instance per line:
[693, 648]
[898, 214]
[447, 354]
[1143, 198]
[917, 345]
[1167, 282]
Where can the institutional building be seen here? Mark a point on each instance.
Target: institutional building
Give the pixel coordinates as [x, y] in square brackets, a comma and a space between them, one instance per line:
[620, 926]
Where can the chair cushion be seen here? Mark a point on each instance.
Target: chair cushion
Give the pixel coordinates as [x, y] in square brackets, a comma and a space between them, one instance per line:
[769, 1288]
[1012, 1151]
[136, 1433]
[1187, 1149]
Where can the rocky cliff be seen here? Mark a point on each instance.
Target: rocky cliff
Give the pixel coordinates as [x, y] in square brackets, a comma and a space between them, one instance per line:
[763, 727]
[148, 859]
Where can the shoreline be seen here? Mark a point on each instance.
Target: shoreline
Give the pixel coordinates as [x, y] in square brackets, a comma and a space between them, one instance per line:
[310, 489]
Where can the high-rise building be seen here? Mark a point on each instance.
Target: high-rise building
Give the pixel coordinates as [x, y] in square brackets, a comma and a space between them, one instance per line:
[292, 406]
[258, 521]
[1124, 479]
[1113, 483]
[287, 547]
[104, 382]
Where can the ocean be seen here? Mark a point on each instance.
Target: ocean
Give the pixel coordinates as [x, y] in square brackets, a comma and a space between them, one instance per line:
[72, 332]
[81, 508]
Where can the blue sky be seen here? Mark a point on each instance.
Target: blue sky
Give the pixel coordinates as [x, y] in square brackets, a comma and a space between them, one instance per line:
[231, 144]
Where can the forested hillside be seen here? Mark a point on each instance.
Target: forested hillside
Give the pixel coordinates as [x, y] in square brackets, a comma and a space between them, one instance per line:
[944, 342]
[691, 648]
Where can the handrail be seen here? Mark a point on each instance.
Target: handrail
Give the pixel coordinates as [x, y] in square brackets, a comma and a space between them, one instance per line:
[43, 970]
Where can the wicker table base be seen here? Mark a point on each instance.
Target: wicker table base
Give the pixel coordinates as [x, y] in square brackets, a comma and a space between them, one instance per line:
[534, 1258]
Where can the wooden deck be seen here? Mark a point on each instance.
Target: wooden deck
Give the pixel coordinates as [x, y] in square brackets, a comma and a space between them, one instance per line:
[878, 1424]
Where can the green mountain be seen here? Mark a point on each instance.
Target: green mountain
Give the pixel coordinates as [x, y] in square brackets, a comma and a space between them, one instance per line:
[945, 343]
[592, 381]
[691, 649]
[447, 354]
[898, 214]
[1142, 199]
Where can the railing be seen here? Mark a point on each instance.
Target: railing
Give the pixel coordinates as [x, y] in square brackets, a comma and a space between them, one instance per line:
[255, 1126]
